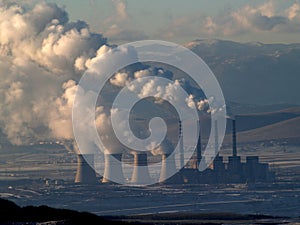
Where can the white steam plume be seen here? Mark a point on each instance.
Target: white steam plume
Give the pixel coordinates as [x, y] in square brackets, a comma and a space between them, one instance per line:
[42, 54]
[42, 57]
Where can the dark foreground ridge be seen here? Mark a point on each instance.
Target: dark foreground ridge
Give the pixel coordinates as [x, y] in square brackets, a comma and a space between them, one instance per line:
[12, 214]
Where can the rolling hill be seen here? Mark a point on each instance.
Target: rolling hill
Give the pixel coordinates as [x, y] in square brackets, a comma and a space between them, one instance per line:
[282, 125]
[287, 130]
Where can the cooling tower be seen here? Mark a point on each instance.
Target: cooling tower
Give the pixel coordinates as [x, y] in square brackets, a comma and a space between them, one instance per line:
[167, 167]
[85, 173]
[113, 168]
[140, 174]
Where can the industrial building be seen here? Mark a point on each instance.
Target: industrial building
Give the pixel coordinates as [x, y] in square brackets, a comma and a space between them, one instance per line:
[233, 171]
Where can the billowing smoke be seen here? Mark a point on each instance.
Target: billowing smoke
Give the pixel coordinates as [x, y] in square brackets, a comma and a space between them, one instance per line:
[205, 105]
[42, 58]
[42, 54]
[122, 79]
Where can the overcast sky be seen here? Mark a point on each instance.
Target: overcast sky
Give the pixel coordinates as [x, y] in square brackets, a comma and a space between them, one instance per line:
[182, 21]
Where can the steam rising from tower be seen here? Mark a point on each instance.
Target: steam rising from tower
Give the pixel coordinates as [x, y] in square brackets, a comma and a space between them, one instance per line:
[44, 58]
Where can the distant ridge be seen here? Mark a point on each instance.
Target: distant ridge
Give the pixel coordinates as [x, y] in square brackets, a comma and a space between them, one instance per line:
[254, 72]
[241, 108]
[256, 120]
[288, 130]
[281, 125]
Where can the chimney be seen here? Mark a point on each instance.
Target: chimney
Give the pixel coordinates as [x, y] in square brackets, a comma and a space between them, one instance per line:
[216, 138]
[167, 167]
[181, 154]
[234, 151]
[113, 168]
[85, 173]
[199, 148]
[140, 174]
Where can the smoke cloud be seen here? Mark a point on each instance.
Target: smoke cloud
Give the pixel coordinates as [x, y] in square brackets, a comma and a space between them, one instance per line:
[42, 54]
[42, 58]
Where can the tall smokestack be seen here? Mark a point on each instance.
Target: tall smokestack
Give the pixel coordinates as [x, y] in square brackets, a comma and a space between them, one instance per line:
[167, 167]
[113, 168]
[181, 154]
[140, 174]
[85, 173]
[216, 137]
[199, 147]
[234, 151]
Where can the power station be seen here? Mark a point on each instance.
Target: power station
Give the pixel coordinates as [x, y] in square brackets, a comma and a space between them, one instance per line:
[232, 171]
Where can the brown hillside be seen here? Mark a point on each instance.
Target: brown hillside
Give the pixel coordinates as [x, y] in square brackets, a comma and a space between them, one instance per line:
[288, 129]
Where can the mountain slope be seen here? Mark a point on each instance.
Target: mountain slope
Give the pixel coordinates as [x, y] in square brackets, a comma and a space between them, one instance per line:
[253, 73]
[257, 120]
[284, 130]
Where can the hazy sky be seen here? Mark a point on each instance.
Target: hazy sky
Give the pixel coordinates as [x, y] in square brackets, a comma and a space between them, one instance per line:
[183, 21]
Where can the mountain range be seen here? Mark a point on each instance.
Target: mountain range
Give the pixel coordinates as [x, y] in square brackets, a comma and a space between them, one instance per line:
[253, 73]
